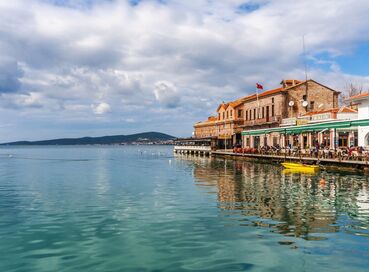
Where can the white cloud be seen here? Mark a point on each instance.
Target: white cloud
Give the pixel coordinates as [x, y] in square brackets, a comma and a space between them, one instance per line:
[101, 108]
[166, 93]
[150, 58]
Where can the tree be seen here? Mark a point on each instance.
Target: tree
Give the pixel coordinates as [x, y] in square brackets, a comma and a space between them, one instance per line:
[349, 90]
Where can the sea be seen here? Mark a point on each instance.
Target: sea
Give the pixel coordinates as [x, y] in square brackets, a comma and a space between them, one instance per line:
[142, 208]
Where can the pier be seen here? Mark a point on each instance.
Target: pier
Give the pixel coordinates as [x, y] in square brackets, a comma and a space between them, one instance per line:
[335, 163]
[282, 158]
[338, 159]
[193, 150]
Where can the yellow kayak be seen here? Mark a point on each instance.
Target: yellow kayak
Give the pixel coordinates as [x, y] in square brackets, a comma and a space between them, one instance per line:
[300, 166]
[299, 171]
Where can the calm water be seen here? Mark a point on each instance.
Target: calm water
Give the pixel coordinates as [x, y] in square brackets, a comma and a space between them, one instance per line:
[142, 209]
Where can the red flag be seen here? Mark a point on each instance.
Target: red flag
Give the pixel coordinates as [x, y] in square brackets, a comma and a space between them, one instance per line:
[259, 86]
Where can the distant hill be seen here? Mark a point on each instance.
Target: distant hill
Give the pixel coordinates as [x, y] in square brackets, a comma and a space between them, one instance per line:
[146, 137]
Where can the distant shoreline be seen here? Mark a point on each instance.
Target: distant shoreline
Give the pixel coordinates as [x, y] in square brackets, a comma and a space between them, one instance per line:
[147, 138]
[127, 144]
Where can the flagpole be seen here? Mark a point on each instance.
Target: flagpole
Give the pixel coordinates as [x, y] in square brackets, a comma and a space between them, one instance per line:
[257, 101]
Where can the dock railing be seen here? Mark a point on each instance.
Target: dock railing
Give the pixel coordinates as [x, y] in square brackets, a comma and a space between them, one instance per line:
[192, 148]
[352, 154]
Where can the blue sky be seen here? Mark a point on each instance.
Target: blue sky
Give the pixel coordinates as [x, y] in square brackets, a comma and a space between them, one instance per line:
[71, 68]
[357, 61]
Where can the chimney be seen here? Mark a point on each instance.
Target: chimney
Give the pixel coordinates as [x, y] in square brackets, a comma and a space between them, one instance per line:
[286, 83]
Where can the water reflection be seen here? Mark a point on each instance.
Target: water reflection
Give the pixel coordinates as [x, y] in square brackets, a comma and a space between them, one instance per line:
[293, 204]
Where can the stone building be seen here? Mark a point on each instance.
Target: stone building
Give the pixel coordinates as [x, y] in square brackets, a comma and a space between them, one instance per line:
[317, 96]
[206, 129]
[267, 109]
[289, 103]
[225, 125]
[331, 129]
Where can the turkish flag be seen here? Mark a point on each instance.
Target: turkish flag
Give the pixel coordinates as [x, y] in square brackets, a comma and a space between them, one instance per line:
[259, 86]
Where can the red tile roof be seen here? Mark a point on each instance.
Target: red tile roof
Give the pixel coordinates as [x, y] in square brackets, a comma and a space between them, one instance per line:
[263, 94]
[223, 105]
[359, 96]
[333, 110]
[242, 100]
[347, 110]
[311, 80]
[237, 102]
[204, 123]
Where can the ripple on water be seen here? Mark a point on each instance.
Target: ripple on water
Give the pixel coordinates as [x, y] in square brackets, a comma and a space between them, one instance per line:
[122, 210]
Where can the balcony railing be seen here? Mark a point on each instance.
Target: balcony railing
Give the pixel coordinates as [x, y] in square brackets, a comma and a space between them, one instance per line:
[192, 147]
[262, 121]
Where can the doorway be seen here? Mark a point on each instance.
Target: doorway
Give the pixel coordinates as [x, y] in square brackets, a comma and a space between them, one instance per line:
[256, 141]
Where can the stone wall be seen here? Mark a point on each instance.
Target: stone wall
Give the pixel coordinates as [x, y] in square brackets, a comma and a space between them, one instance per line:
[205, 130]
[266, 104]
[318, 97]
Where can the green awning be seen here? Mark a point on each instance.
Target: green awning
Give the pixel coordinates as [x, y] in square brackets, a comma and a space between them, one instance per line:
[262, 131]
[364, 122]
[309, 128]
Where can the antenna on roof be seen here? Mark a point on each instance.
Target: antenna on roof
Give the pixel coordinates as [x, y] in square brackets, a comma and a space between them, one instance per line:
[305, 66]
[304, 55]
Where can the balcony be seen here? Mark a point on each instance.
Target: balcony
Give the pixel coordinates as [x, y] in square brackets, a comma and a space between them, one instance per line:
[263, 121]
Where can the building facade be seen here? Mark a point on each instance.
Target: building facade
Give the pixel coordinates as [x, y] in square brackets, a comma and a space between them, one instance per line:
[293, 100]
[224, 126]
[267, 109]
[362, 102]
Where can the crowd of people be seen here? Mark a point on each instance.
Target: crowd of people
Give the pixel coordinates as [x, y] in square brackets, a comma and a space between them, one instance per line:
[316, 151]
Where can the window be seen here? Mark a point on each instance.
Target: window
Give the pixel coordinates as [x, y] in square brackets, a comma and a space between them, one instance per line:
[272, 110]
[231, 113]
[262, 112]
[304, 97]
[227, 114]
[223, 114]
[275, 141]
[239, 113]
[272, 99]
[312, 105]
[247, 117]
[254, 114]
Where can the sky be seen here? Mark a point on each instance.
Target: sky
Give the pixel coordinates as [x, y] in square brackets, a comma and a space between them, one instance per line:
[73, 68]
